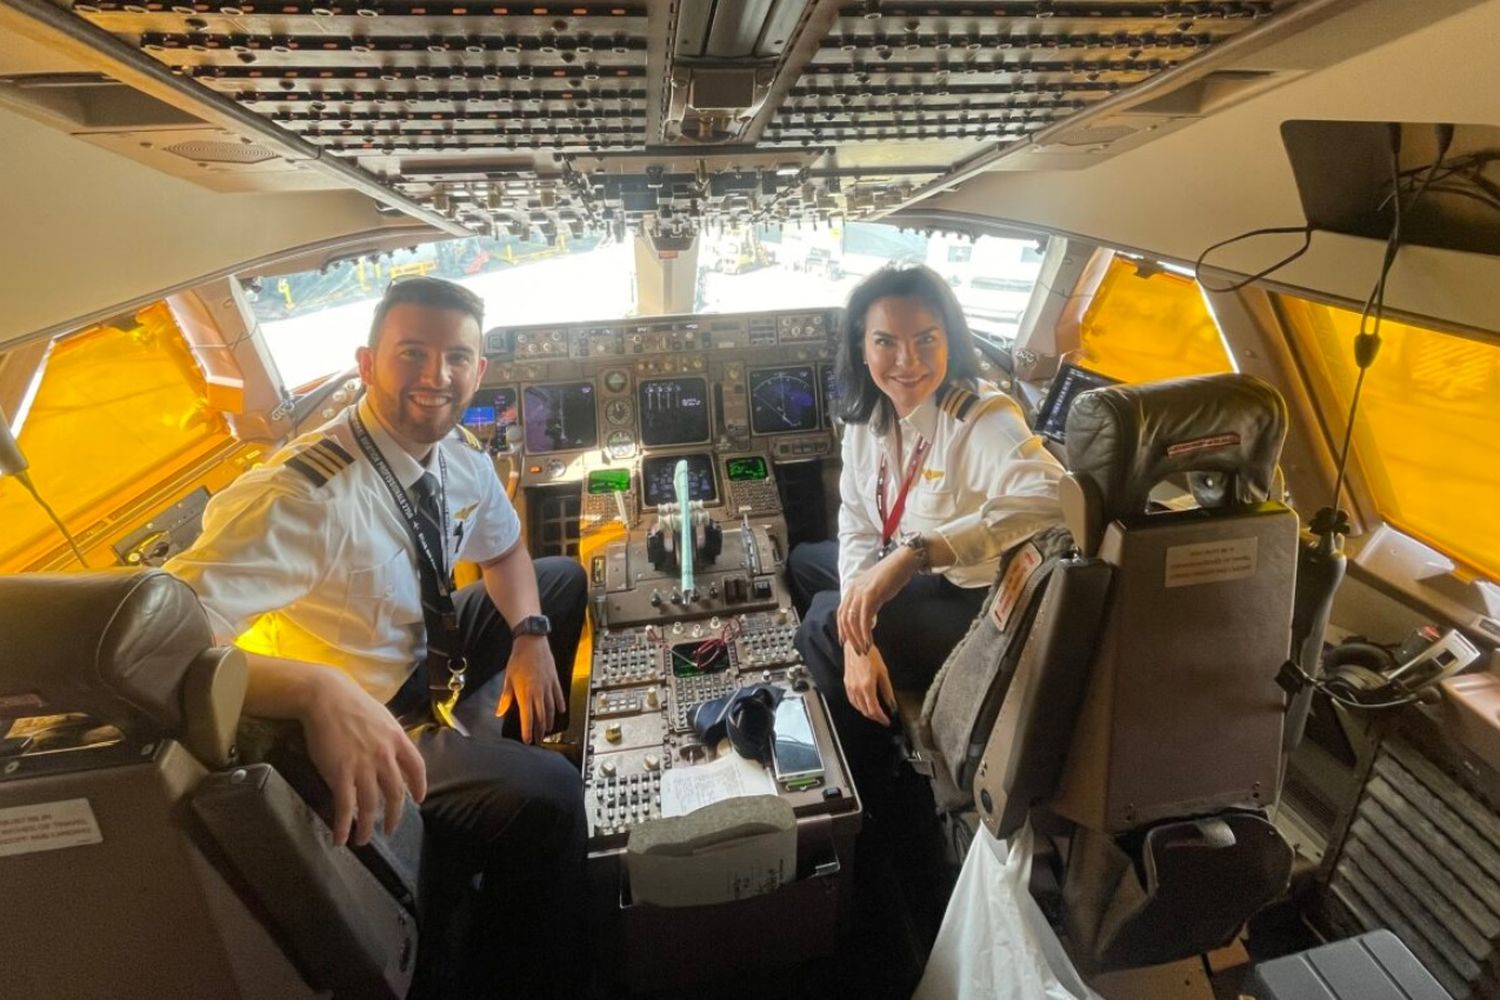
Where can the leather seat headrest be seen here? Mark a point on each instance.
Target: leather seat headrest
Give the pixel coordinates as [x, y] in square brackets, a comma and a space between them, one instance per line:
[1222, 432]
[114, 645]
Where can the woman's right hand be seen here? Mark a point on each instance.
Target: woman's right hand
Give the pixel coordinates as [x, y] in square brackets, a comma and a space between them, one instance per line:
[867, 682]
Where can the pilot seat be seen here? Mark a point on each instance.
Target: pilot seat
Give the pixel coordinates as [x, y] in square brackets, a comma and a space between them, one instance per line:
[140, 856]
[1119, 689]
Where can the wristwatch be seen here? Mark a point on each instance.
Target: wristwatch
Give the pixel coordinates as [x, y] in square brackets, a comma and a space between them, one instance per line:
[532, 625]
[915, 541]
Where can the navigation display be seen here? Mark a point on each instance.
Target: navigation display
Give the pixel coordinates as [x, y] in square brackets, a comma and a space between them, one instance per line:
[658, 472]
[1070, 380]
[608, 481]
[751, 468]
[673, 411]
[559, 417]
[783, 400]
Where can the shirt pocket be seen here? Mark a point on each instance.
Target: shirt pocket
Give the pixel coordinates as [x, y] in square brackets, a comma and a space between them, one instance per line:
[370, 600]
[929, 508]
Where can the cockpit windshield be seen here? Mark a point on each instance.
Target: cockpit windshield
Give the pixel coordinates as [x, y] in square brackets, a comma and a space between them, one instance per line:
[796, 267]
[313, 321]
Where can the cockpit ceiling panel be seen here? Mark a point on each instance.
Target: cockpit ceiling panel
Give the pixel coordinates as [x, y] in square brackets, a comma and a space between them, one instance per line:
[581, 117]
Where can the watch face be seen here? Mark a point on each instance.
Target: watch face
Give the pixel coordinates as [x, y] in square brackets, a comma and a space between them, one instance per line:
[533, 625]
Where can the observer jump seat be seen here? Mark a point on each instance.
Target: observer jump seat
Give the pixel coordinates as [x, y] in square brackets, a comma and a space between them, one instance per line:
[139, 857]
[1129, 701]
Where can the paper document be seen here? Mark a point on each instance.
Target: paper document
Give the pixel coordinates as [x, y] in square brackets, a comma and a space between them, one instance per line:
[684, 789]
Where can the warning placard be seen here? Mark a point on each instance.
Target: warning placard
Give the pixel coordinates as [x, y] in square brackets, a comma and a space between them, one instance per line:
[47, 826]
[1210, 562]
[1022, 565]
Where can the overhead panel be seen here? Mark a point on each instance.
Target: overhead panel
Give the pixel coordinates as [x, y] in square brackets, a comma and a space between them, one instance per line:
[994, 72]
[665, 115]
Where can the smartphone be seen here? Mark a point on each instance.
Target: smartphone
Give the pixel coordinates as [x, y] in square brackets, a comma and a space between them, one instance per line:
[794, 749]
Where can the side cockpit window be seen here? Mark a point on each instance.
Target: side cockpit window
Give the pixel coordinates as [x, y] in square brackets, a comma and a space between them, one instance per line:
[1146, 323]
[115, 410]
[1427, 433]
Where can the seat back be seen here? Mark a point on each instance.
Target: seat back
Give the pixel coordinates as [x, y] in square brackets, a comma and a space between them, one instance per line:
[959, 710]
[125, 828]
[1163, 746]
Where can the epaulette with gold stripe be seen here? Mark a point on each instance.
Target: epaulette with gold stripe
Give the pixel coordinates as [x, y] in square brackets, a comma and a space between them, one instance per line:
[957, 402]
[321, 460]
[470, 438]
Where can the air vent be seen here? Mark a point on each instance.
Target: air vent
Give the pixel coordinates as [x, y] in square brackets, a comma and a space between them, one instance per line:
[210, 151]
[88, 102]
[1422, 858]
[1093, 136]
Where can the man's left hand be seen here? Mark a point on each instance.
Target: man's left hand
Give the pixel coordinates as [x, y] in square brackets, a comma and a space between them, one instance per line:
[870, 591]
[531, 683]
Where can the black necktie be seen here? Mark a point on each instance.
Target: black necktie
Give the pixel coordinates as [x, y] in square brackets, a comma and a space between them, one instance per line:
[425, 492]
[437, 605]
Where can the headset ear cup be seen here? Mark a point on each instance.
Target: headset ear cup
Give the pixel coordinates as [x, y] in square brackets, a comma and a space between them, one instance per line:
[1359, 653]
[1359, 667]
[1358, 678]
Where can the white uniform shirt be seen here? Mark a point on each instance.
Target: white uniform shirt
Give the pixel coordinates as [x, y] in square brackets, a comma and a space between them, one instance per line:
[985, 484]
[327, 573]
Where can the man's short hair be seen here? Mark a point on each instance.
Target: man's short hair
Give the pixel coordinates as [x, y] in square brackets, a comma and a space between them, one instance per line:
[434, 293]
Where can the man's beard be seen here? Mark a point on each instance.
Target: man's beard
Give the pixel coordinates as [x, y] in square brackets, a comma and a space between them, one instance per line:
[420, 425]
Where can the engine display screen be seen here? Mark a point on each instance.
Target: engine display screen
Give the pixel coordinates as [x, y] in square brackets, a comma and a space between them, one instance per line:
[609, 481]
[783, 400]
[658, 475]
[673, 411]
[832, 393]
[751, 468]
[559, 417]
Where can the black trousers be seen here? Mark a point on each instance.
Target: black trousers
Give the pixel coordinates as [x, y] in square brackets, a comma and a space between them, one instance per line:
[505, 828]
[915, 632]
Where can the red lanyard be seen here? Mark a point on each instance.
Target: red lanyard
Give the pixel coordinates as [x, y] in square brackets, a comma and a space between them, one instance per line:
[890, 521]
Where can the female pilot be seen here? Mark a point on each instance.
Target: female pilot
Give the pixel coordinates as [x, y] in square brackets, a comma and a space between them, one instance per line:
[941, 476]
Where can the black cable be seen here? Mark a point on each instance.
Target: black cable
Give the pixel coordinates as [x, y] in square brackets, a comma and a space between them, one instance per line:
[25, 481]
[1326, 688]
[1306, 232]
[1367, 342]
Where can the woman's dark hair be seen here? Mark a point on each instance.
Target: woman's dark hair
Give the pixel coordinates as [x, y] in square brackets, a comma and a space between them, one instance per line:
[860, 400]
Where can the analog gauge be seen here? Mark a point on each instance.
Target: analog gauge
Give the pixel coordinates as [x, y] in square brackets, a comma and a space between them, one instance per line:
[618, 411]
[556, 468]
[620, 444]
[616, 381]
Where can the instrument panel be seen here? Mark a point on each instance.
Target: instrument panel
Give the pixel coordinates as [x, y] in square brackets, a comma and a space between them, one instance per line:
[593, 396]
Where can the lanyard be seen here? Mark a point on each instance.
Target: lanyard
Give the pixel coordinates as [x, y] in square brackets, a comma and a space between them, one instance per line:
[889, 521]
[440, 621]
[403, 501]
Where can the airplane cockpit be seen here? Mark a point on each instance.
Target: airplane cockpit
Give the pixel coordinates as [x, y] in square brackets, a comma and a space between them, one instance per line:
[1225, 721]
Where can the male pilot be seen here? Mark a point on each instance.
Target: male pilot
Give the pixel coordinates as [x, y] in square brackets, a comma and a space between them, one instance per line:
[337, 556]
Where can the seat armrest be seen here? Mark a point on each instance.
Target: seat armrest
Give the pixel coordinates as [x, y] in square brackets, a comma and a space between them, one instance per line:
[213, 695]
[340, 925]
